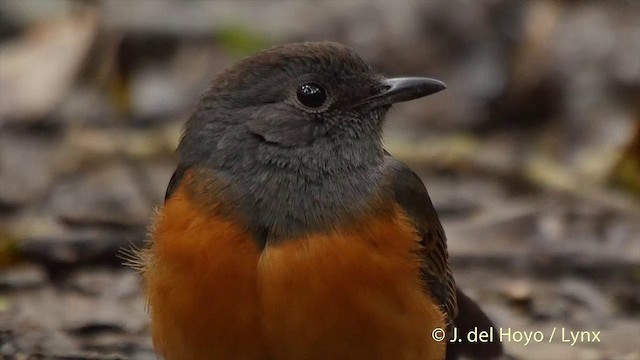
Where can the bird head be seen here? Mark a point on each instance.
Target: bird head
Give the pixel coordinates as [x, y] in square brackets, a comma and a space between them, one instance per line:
[296, 131]
[293, 95]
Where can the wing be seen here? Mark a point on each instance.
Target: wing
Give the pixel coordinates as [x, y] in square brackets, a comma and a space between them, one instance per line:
[461, 311]
[470, 317]
[177, 176]
[412, 196]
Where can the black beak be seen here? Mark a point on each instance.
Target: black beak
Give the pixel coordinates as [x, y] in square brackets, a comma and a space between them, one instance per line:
[404, 89]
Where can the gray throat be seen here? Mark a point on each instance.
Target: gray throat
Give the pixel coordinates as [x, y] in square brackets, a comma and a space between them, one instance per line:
[287, 192]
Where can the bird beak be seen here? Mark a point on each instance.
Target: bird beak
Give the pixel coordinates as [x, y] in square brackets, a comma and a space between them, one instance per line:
[404, 89]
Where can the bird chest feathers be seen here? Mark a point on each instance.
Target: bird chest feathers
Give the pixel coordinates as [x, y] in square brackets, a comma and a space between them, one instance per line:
[353, 293]
[289, 233]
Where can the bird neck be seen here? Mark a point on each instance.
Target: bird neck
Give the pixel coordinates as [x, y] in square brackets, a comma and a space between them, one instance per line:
[287, 192]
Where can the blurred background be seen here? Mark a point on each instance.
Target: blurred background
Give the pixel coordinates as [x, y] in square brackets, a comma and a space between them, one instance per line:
[531, 156]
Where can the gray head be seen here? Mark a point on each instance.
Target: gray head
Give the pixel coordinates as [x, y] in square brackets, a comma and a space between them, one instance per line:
[292, 136]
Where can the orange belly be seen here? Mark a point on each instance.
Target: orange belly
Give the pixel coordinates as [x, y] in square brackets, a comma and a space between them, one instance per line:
[352, 294]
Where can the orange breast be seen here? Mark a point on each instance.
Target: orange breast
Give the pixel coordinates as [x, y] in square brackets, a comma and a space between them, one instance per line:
[201, 286]
[352, 294]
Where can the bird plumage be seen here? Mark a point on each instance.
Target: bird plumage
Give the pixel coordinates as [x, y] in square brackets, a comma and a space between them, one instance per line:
[288, 232]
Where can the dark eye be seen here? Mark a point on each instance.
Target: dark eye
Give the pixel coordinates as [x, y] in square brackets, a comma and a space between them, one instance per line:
[311, 95]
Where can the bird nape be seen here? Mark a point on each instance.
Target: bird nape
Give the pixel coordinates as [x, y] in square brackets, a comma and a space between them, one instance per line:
[288, 232]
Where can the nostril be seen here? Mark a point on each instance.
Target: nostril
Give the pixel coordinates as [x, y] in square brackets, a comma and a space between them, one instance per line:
[382, 89]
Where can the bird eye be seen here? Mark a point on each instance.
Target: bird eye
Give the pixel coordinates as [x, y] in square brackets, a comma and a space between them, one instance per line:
[311, 95]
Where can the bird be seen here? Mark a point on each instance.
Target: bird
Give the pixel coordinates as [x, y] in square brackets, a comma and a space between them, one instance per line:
[288, 232]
